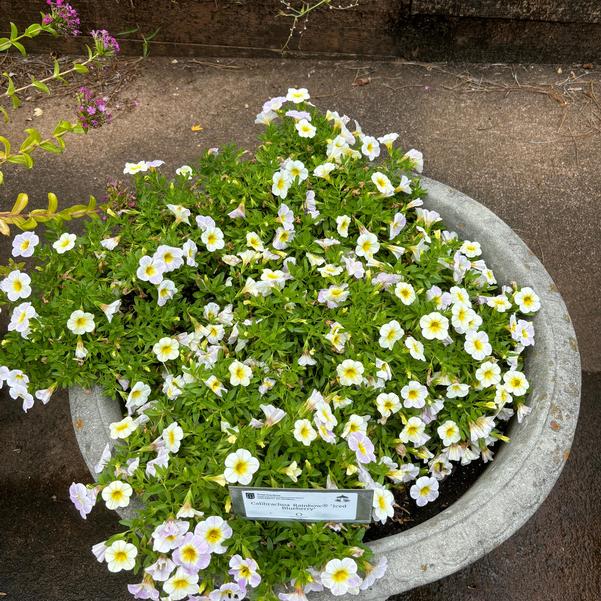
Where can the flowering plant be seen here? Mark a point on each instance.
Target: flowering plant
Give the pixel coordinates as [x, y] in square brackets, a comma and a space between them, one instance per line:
[92, 111]
[296, 319]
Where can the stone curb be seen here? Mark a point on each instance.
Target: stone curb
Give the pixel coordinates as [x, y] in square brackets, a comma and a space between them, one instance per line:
[523, 472]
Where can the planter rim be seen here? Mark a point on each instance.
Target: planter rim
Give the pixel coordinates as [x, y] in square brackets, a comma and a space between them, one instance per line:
[523, 473]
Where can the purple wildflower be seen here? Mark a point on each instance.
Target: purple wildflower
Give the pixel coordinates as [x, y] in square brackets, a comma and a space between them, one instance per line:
[92, 111]
[63, 18]
[105, 41]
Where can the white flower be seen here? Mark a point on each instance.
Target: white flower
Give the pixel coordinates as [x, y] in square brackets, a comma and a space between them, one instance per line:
[64, 243]
[340, 576]
[165, 291]
[464, 318]
[488, 374]
[240, 467]
[405, 292]
[181, 585]
[214, 531]
[434, 326]
[382, 183]
[476, 345]
[342, 225]
[414, 394]
[120, 556]
[215, 385]
[133, 168]
[281, 183]
[460, 296]
[117, 494]
[122, 429]
[390, 333]
[297, 170]
[81, 322]
[404, 185]
[367, 245]
[414, 432]
[449, 433]
[370, 147]
[212, 238]
[190, 250]
[424, 490]
[138, 395]
[399, 221]
[416, 348]
[240, 374]
[111, 310]
[304, 432]
[180, 212]
[388, 140]
[481, 428]
[166, 348]
[150, 270]
[24, 244]
[110, 243]
[305, 129]
[172, 435]
[515, 382]
[185, 171]
[417, 159]
[388, 403]
[527, 300]
[350, 372]
[297, 95]
[383, 501]
[334, 295]
[324, 170]
[471, 249]
[500, 303]
[19, 319]
[16, 285]
[456, 390]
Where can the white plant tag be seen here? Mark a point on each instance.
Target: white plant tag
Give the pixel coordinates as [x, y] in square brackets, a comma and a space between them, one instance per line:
[302, 504]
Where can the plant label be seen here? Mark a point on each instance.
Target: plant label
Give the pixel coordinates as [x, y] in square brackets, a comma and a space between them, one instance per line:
[302, 504]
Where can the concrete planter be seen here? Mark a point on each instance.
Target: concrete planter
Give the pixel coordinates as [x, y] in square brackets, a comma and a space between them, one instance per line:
[523, 472]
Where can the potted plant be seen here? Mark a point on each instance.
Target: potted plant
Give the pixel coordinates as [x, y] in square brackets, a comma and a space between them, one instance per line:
[301, 320]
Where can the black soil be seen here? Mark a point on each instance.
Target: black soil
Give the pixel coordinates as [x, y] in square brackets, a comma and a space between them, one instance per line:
[408, 514]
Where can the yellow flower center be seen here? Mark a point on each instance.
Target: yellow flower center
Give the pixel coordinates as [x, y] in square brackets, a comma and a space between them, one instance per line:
[213, 535]
[189, 554]
[340, 575]
[241, 467]
[120, 556]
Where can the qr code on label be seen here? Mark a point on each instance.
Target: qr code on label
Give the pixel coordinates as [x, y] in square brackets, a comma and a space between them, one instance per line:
[250, 495]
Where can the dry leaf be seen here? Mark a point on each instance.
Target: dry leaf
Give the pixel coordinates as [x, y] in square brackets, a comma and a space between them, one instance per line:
[197, 127]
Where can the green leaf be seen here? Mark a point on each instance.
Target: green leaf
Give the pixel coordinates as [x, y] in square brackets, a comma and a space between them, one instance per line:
[48, 146]
[14, 32]
[39, 85]
[56, 70]
[1, 178]
[20, 48]
[52, 202]
[4, 114]
[21, 159]
[80, 68]
[4, 44]
[33, 30]
[6, 143]
[20, 203]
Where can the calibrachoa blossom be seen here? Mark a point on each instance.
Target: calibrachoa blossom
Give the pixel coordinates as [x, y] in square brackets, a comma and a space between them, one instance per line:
[240, 467]
[121, 555]
[298, 317]
[117, 494]
[340, 576]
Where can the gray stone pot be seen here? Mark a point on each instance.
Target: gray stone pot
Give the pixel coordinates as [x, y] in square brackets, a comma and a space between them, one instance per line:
[523, 472]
